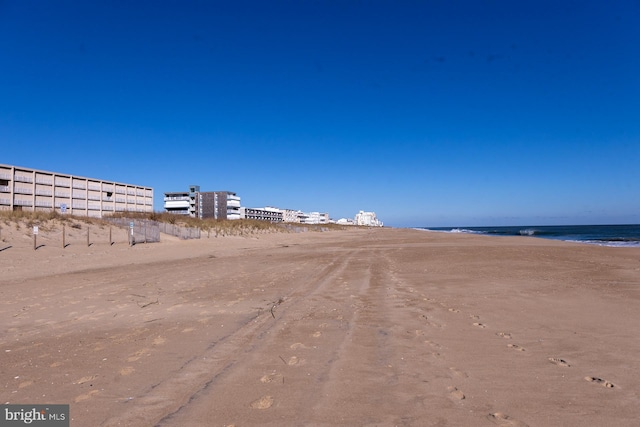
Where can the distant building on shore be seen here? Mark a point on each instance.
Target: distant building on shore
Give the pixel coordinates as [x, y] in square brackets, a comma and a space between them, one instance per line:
[290, 215]
[345, 221]
[25, 189]
[317, 218]
[203, 204]
[262, 214]
[368, 219]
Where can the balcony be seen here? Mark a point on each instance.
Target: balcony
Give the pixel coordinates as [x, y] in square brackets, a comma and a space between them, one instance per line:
[176, 204]
[23, 190]
[23, 178]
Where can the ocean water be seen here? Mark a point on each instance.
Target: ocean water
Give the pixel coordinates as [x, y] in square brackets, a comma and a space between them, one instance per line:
[604, 235]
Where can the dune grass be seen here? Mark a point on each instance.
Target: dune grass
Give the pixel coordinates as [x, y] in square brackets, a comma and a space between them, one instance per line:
[243, 227]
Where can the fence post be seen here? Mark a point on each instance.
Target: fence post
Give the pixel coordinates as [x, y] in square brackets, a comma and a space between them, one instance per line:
[110, 240]
[63, 237]
[87, 236]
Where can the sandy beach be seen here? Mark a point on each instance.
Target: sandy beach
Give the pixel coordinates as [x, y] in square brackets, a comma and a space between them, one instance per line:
[379, 327]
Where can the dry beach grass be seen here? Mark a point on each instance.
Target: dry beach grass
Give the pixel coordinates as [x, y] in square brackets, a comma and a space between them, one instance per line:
[356, 327]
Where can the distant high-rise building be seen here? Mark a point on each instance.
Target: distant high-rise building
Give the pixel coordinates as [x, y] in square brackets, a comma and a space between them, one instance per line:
[368, 219]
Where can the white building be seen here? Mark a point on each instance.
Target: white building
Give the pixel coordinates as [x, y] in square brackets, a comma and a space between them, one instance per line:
[345, 221]
[368, 219]
[290, 215]
[317, 218]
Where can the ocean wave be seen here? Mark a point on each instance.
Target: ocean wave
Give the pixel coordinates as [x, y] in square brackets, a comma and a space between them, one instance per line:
[464, 230]
[528, 232]
[614, 243]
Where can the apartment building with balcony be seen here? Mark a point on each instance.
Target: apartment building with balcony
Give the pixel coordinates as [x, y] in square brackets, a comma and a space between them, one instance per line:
[262, 214]
[203, 204]
[36, 190]
[316, 218]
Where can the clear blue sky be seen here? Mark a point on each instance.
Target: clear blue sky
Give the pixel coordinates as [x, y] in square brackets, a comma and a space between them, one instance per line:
[430, 113]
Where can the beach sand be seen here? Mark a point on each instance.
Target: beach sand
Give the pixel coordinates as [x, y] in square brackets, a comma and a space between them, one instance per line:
[376, 327]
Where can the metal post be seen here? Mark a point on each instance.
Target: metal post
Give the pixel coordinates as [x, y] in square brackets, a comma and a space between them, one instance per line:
[110, 240]
[87, 236]
[34, 241]
[63, 237]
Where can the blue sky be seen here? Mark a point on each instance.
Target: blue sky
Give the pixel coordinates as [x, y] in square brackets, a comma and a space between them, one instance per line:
[430, 113]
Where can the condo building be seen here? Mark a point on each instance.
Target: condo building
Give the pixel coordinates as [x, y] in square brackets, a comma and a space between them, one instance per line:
[203, 204]
[36, 190]
[262, 214]
[368, 219]
[316, 218]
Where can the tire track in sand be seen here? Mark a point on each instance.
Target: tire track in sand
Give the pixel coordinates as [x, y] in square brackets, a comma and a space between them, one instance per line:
[245, 357]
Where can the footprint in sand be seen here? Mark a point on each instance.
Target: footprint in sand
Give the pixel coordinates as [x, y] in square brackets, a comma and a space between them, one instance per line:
[271, 378]
[137, 355]
[264, 402]
[316, 334]
[480, 325]
[453, 310]
[297, 345]
[85, 396]
[559, 362]
[504, 420]
[293, 360]
[432, 344]
[504, 335]
[516, 347]
[458, 373]
[455, 394]
[127, 370]
[600, 381]
[86, 379]
[474, 316]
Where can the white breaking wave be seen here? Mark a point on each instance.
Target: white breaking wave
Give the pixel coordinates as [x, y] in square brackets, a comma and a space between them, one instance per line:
[464, 230]
[527, 232]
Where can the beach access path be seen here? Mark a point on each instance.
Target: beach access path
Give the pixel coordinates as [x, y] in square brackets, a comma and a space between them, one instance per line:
[359, 327]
